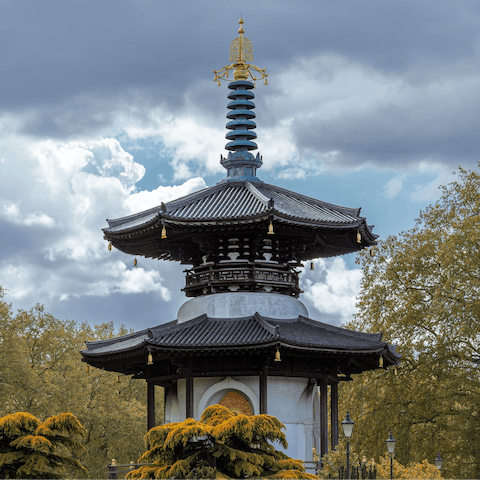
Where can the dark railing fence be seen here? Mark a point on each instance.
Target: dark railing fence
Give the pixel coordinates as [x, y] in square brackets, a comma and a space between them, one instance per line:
[361, 471]
[114, 470]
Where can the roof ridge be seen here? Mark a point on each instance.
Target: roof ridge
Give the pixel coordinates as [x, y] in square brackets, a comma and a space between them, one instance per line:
[254, 191]
[346, 210]
[94, 344]
[119, 221]
[179, 202]
[272, 329]
[351, 333]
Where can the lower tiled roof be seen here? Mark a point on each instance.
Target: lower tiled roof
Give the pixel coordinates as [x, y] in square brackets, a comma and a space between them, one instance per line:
[254, 331]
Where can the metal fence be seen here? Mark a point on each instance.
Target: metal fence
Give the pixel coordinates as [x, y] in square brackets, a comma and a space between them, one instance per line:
[360, 472]
[114, 470]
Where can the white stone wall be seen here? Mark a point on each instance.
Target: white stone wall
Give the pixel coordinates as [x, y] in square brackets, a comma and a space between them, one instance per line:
[290, 399]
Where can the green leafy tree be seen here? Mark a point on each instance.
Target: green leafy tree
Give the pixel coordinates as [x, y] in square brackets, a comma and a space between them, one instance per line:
[334, 464]
[30, 448]
[422, 289]
[42, 373]
[220, 445]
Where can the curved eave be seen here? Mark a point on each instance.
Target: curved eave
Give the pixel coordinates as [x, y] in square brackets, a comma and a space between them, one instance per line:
[271, 343]
[270, 214]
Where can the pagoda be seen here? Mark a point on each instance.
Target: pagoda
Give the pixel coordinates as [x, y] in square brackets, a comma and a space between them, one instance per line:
[244, 339]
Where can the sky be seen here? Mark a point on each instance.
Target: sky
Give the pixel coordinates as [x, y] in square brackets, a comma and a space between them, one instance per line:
[109, 108]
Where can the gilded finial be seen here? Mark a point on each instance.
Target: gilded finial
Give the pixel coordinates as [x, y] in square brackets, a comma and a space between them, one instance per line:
[241, 52]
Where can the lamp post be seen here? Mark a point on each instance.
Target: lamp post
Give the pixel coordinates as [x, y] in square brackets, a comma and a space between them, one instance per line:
[438, 461]
[347, 425]
[391, 450]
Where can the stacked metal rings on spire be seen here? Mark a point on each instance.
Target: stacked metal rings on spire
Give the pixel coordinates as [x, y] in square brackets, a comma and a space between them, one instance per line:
[240, 163]
[241, 125]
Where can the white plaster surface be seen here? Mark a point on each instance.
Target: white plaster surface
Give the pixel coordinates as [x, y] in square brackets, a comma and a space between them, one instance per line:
[242, 304]
[290, 399]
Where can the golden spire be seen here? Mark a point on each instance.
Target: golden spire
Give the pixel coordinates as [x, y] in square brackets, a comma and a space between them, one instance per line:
[241, 52]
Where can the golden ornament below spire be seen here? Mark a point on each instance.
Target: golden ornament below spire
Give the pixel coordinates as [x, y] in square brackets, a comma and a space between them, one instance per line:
[241, 52]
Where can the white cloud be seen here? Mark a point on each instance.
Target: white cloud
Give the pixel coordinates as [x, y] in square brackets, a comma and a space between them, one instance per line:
[11, 211]
[331, 288]
[186, 138]
[136, 202]
[393, 187]
[72, 187]
[430, 191]
[118, 278]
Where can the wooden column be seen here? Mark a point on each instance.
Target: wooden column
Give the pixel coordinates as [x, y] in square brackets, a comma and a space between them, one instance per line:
[150, 405]
[263, 391]
[322, 382]
[189, 396]
[334, 413]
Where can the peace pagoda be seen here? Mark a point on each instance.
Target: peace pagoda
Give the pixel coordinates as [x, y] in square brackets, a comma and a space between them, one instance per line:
[243, 338]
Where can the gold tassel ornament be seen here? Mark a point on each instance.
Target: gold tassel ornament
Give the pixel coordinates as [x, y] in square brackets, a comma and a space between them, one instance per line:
[359, 237]
[150, 358]
[164, 233]
[270, 229]
[278, 358]
[380, 362]
[135, 263]
[109, 246]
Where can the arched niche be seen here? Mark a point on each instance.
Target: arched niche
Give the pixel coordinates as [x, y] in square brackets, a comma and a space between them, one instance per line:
[217, 392]
[236, 403]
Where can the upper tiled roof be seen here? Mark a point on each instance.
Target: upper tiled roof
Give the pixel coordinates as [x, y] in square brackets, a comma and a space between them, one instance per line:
[239, 202]
[219, 333]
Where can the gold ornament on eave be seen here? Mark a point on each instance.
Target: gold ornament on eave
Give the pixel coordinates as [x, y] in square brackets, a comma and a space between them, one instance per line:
[270, 229]
[241, 52]
[278, 358]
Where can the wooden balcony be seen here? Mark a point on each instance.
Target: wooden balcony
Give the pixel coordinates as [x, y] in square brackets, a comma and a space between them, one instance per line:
[241, 276]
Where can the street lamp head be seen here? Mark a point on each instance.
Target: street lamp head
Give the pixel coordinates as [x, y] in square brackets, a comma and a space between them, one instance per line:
[391, 443]
[438, 462]
[347, 425]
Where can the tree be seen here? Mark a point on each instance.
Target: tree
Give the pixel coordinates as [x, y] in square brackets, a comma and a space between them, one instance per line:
[220, 445]
[422, 289]
[42, 373]
[334, 464]
[30, 448]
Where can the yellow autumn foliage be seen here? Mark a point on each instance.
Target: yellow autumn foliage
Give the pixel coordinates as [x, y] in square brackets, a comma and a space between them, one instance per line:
[335, 460]
[421, 288]
[30, 448]
[42, 373]
[220, 445]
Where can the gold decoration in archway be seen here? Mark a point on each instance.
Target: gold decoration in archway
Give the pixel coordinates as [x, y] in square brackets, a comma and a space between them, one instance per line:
[236, 403]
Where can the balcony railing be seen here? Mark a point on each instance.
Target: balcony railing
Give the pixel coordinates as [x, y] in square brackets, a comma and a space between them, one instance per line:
[243, 276]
